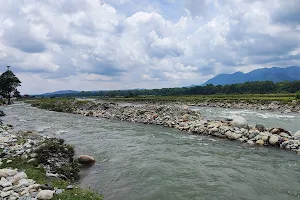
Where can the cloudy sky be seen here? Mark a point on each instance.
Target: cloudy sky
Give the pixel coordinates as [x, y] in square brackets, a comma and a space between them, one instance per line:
[120, 44]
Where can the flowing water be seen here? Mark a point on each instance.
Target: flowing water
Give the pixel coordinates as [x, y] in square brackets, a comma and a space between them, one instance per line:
[139, 162]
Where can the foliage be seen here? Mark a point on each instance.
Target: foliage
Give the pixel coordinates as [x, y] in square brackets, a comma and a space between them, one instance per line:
[8, 85]
[39, 174]
[256, 87]
[298, 95]
[59, 155]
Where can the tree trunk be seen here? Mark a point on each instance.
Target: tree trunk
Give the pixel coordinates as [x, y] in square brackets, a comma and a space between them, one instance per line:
[8, 99]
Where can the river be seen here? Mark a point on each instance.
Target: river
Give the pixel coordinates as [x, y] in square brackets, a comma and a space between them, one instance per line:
[141, 162]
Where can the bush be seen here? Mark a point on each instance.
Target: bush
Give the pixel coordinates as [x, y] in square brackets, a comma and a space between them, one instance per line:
[59, 157]
[298, 95]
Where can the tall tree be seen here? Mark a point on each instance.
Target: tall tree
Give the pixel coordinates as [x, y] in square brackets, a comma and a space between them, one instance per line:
[8, 84]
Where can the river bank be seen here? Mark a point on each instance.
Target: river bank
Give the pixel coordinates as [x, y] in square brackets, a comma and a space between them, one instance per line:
[293, 106]
[182, 118]
[268, 103]
[37, 167]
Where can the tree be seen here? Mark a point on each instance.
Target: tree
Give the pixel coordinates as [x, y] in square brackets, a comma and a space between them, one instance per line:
[8, 84]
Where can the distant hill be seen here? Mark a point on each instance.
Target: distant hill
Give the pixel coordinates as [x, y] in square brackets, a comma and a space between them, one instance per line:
[274, 74]
[60, 92]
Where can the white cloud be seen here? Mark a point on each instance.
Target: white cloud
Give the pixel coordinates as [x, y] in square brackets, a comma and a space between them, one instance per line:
[126, 43]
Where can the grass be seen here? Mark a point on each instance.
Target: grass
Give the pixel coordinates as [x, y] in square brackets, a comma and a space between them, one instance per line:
[57, 104]
[250, 98]
[68, 104]
[39, 175]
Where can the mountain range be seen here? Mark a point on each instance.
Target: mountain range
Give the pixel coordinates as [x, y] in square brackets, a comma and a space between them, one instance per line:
[274, 74]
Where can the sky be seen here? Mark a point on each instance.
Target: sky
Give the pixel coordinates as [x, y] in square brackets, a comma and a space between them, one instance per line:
[126, 44]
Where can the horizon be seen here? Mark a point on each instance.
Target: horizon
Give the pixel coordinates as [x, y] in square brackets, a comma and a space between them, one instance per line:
[149, 44]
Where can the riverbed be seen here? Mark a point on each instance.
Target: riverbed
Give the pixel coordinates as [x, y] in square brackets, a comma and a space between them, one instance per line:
[137, 161]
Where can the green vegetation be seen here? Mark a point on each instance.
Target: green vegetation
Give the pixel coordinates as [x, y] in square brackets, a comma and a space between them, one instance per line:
[8, 85]
[248, 98]
[38, 174]
[256, 87]
[57, 104]
[59, 156]
[298, 95]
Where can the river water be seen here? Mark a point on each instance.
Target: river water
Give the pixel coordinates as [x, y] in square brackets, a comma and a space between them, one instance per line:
[141, 162]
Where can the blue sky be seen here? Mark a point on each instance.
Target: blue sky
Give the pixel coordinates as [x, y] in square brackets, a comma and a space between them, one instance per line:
[120, 44]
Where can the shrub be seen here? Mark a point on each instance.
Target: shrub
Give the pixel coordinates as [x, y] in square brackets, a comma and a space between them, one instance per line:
[298, 95]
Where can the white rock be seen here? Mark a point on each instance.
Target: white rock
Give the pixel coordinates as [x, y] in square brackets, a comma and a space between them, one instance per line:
[23, 182]
[8, 172]
[250, 142]
[45, 194]
[5, 183]
[273, 139]
[19, 176]
[5, 194]
[239, 122]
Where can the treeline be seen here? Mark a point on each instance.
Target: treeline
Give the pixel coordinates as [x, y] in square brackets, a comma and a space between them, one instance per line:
[256, 87]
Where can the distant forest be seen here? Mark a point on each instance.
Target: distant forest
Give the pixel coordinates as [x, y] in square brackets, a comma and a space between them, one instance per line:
[256, 87]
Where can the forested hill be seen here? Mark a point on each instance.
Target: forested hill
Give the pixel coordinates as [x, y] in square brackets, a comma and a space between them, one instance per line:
[257, 87]
[274, 74]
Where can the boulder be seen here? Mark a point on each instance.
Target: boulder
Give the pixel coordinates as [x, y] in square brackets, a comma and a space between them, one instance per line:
[86, 160]
[19, 176]
[45, 194]
[273, 139]
[279, 130]
[185, 117]
[239, 122]
[275, 131]
[7, 172]
[260, 127]
[260, 142]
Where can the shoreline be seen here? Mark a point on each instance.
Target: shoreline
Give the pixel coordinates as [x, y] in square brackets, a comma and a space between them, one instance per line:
[36, 166]
[292, 106]
[181, 118]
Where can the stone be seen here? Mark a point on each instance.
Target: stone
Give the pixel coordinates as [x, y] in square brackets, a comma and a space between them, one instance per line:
[32, 160]
[5, 183]
[265, 138]
[260, 142]
[46, 187]
[260, 127]
[69, 187]
[5, 194]
[86, 160]
[275, 131]
[233, 136]
[273, 139]
[250, 142]
[45, 194]
[23, 182]
[239, 122]
[19, 176]
[185, 117]
[8, 172]
[59, 191]
[52, 175]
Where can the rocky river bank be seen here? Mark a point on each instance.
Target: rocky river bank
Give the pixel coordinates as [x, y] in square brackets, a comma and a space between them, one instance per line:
[182, 118]
[293, 106]
[37, 167]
